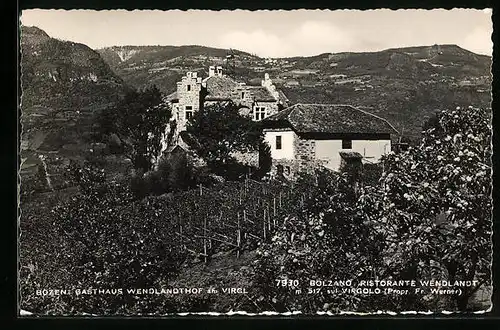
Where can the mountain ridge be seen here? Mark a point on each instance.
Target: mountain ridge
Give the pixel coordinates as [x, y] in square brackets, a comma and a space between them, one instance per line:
[291, 57]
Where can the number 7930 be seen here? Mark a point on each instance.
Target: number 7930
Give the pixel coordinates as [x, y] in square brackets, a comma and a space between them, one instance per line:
[287, 282]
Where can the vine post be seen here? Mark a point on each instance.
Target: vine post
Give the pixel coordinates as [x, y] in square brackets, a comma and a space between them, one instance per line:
[238, 237]
[205, 239]
[264, 223]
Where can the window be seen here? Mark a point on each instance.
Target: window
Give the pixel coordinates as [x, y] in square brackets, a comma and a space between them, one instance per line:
[189, 112]
[188, 88]
[260, 113]
[242, 95]
[278, 142]
[279, 169]
[346, 144]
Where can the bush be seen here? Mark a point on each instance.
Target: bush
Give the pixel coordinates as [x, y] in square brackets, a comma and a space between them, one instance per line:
[323, 239]
[138, 185]
[371, 174]
[434, 204]
[173, 173]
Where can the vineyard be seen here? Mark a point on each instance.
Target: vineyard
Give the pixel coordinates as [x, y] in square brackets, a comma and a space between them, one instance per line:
[228, 216]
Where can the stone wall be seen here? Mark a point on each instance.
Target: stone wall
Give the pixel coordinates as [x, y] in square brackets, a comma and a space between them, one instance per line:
[271, 107]
[188, 92]
[304, 158]
[247, 158]
[290, 167]
[305, 149]
[246, 100]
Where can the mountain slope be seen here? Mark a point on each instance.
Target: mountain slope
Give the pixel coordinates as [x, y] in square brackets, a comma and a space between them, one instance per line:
[404, 85]
[140, 66]
[64, 86]
[124, 55]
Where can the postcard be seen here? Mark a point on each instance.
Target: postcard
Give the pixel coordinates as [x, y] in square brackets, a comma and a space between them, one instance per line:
[300, 162]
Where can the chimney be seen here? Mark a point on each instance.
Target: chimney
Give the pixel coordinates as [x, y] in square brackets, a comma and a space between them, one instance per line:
[211, 71]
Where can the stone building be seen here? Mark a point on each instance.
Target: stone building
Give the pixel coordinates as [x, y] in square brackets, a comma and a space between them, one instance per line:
[186, 100]
[307, 135]
[193, 93]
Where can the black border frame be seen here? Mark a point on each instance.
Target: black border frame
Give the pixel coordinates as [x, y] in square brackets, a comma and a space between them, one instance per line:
[10, 147]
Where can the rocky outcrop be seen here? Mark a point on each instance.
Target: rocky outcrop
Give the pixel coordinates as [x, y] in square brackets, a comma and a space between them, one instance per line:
[64, 85]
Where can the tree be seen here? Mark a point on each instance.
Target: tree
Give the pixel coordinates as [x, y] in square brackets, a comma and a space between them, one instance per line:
[221, 129]
[176, 172]
[323, 238]
[434, 206]
[141, 118]
[265, 159]
[173, 173]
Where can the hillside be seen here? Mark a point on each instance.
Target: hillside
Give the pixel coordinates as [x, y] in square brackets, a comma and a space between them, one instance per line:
[140, 66]
[64, 86]
[404, 85]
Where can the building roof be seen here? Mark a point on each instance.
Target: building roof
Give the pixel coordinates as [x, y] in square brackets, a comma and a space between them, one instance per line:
[189, 140]
[176, 148]
[172, 97]
[329, 118]
[224, 88]
[219, 88]
[186, 141]
[261, 94]
[283, 98]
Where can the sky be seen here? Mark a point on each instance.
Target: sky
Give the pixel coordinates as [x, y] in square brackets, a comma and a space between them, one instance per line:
[276, 33]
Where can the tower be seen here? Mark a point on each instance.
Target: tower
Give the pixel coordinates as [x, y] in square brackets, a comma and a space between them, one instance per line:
[188, 92]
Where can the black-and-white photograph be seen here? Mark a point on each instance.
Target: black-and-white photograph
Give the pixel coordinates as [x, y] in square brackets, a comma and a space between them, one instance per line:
[234, 162]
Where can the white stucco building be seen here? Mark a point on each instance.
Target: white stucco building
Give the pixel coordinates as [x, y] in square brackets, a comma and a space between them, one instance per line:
[308, 134]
